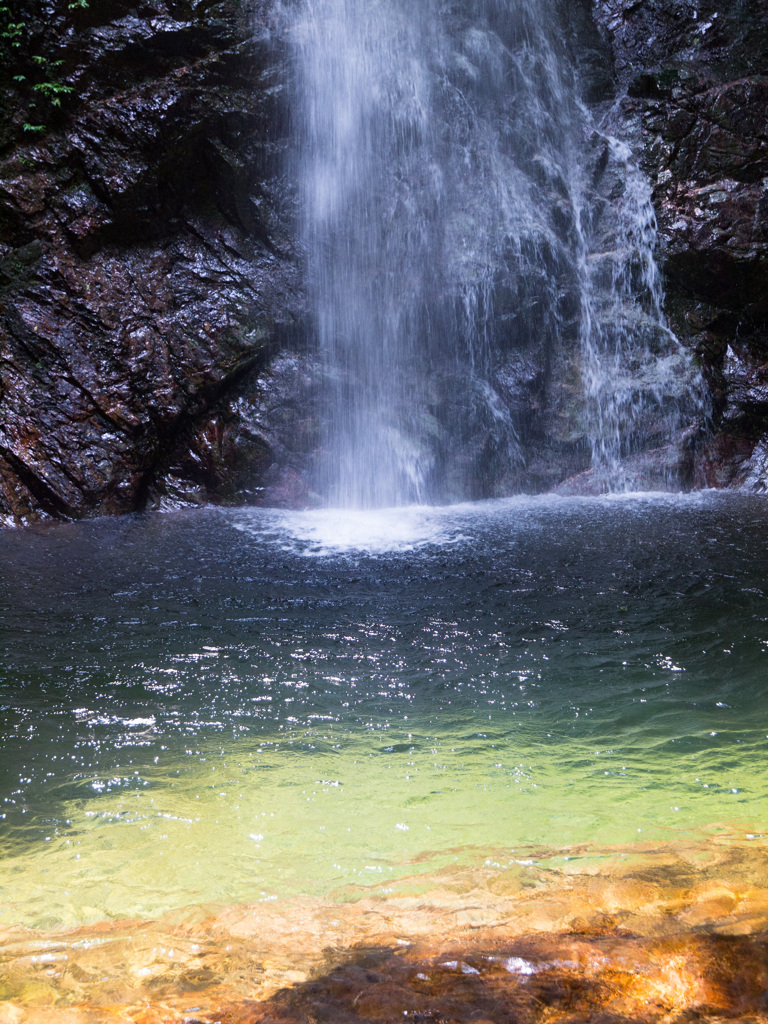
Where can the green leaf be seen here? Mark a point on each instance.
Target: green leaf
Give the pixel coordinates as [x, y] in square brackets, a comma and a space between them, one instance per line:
[53, 90]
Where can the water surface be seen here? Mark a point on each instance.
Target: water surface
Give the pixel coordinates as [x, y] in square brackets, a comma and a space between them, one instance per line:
[214, 709]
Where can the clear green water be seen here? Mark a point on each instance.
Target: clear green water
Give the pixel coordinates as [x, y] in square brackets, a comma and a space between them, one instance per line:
[232, 706]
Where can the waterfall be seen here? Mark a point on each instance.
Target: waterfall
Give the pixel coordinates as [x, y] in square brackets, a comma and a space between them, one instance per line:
[639, 384]
[448, 216]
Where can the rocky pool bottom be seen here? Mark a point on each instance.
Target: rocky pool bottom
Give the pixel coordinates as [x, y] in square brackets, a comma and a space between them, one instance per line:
[498, 762]
[668, 934]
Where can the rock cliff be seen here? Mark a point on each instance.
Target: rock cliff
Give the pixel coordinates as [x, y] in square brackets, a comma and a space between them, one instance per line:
[146, 276]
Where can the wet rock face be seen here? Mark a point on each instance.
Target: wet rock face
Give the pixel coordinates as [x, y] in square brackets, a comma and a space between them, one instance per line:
[693, 73]
[146, 278]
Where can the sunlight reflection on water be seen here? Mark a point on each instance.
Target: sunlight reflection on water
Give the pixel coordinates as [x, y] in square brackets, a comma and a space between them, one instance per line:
[435, 687]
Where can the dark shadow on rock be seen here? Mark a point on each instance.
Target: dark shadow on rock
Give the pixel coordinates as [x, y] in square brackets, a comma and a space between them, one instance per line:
[596, 978]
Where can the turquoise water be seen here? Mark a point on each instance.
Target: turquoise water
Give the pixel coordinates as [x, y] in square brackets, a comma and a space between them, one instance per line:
[216, 707]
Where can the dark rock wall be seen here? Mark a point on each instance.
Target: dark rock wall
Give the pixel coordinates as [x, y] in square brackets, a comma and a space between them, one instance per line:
[693, 98]
[146, 275]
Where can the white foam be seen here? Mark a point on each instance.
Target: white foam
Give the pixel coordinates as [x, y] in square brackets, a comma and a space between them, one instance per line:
[337, 531]
[340, 531]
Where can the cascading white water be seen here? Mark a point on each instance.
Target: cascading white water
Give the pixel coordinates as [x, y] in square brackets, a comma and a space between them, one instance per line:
[371, 186]
[446, 177]
[639, 384]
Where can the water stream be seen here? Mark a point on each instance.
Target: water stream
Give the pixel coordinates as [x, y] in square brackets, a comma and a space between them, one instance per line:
[460, 209]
